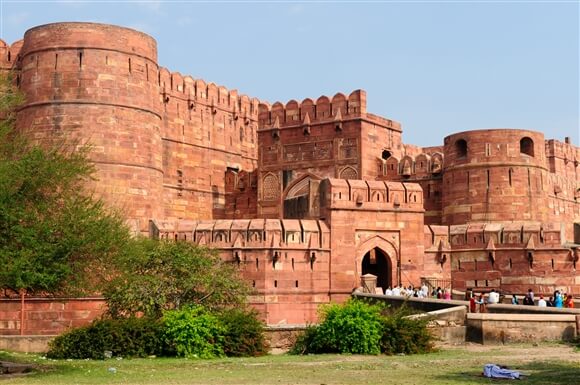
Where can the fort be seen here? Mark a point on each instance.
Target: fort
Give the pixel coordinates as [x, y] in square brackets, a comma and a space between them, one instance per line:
[304, 196]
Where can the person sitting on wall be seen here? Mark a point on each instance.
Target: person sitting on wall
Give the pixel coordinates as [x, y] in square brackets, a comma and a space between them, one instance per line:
[396, 291]
[388, 291]
[439, 293]
[493, 297]
[528, 300]
[515, 300]
[481, 303]
[550, 302]
[542, 302]
[472, 304]
[446, 294]
[569, 302]
[424, 291]
[531, 294]
[558, 301]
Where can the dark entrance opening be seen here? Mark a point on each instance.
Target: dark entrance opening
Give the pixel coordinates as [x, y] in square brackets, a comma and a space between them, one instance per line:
[376, 262]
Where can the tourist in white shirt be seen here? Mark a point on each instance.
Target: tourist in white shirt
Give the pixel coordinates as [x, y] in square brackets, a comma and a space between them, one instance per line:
[396, 291]
[542, 302]
[389, 291]
[493, 297]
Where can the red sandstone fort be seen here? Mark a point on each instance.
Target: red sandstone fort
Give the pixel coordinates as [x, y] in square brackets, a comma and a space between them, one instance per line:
[304, 196]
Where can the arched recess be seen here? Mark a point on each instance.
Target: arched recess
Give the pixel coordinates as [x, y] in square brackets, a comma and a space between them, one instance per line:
[461, 148]
[270, 187]
[300, 197]
[385, 270]
[348, 173]
[527, 146]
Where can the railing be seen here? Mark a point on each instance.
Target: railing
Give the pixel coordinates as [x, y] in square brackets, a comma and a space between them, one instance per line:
[434, 283]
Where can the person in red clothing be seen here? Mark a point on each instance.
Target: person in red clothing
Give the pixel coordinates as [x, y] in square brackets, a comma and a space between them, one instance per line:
[569, 302]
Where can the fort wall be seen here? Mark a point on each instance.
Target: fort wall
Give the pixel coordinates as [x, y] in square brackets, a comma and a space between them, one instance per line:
[195, 161]
[161, 141]
[82, 84]
[287, 261]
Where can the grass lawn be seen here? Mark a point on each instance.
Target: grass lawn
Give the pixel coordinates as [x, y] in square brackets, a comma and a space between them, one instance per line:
[551, 364]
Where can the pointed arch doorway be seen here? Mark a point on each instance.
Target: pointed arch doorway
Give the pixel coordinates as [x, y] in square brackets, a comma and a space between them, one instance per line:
[378, 263]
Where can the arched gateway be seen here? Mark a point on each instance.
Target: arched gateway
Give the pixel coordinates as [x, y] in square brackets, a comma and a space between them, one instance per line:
[377, 263]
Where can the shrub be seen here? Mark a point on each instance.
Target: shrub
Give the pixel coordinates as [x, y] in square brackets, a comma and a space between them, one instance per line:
[405, 335]
[155, 276]
[194, 333]
[244, 333]
[354, 327]
[131, 337]
[304, 341]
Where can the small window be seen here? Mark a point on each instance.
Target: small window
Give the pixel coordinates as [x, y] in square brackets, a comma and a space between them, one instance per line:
[461, 148]
[386, 155]
[527, 146]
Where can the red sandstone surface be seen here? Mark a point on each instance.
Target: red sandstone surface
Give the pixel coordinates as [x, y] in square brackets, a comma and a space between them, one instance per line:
[305, 197]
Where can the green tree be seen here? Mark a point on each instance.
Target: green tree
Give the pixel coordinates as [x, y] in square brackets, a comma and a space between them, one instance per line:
[54, 236]
[155, 276]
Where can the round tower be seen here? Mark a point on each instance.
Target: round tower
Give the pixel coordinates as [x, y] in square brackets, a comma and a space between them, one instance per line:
[494, 175]
[97, 84]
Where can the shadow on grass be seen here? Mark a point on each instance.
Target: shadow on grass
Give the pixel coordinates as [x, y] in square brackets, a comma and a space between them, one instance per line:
[536, 373]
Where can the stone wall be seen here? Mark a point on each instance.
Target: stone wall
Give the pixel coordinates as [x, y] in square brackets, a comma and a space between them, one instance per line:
[48, 316]
[487, 328]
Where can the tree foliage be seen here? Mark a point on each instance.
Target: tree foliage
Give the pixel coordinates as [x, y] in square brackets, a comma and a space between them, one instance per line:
[155, 276]
[53, 233]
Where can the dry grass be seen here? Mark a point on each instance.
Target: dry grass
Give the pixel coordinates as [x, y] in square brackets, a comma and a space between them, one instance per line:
[552, 364]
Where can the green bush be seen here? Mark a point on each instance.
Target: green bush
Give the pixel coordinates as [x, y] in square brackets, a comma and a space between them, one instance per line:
[304, 341]
[194, 333]
[361, 328]
[354, 327]
[131, 337]
[244, 333]
[405, 335]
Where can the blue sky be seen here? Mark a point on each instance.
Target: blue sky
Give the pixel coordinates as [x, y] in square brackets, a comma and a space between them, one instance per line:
[436, 67]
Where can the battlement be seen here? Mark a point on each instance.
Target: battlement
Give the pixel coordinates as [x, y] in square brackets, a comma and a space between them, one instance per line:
[9, 54]
[193, 91]
[247, 233]
[307, 112]
[370, 195]
[422, 165]
[524, 235]
[564, 150]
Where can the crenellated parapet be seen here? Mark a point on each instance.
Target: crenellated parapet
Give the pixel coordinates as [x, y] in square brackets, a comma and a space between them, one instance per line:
[190, 94]
[310, 112]
[422, 166]
[521, 235]
[9, 54]
[354, 194]
[247, 233]
[324, 110]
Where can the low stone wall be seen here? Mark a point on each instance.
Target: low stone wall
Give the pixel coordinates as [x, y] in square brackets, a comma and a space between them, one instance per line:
[25, 344]
[48, 316]
[423, 304]
[279, 339]
[490, 328]
[524, 309]
[282, 338]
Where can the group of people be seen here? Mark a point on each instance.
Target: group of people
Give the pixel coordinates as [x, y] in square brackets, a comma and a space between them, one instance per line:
[558, 300]
[418, 292]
